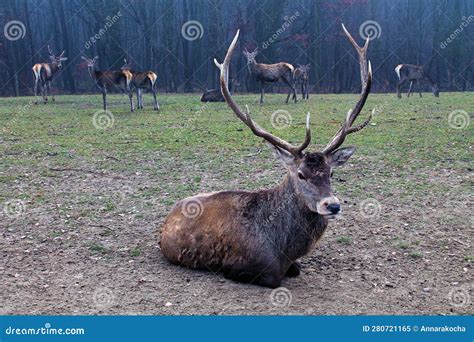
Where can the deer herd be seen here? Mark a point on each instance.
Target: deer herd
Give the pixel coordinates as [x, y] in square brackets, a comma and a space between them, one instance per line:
[232, 232]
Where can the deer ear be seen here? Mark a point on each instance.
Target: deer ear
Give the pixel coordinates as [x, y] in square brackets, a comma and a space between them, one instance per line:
[340, 156]
[284, 156]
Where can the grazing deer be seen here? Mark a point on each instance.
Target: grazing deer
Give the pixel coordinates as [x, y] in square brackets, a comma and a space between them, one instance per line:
[44, 72]
[256, 237]
[301, 75]
[107, 79]
[414, 73]
[270, 73]
[143, 80]
[215, 95]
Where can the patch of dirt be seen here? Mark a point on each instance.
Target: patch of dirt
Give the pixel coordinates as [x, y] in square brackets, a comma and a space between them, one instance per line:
[87, 243]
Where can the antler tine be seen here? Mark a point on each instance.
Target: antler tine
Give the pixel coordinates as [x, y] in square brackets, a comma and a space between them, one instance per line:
[245, 116]
[50, 51]
[352, 115]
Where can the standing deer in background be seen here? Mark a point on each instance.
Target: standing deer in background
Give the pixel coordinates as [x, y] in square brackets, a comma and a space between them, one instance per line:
[270, 73]
[413, 73]
[143, 80]
[301, 75]
[44, 72]
[256, 237]
[107, 79]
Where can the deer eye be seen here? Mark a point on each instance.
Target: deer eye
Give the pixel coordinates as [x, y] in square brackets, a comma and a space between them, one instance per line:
[301, 176]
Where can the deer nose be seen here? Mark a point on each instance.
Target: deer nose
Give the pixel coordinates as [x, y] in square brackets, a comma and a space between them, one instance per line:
[334, 208]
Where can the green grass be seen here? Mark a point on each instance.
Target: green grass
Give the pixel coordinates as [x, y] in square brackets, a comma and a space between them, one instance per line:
[345, 240]
[188, 140]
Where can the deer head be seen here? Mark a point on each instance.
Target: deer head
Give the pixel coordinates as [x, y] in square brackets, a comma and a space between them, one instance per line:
[127, 65]
[58, 60]
[91, 63]
[250, 55]
[310, 172]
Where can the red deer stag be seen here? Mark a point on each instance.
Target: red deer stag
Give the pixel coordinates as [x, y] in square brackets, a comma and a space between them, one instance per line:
[108, 79]
[44, 72]
[256, 237]
[413, 73]
[270, 73]
[301, 75]
[143, 80]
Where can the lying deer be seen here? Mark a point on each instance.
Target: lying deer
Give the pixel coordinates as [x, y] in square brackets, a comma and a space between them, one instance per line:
[301, 75]
[107, 79]
[270, 73]
[143, 80]
[215, 95]
[256, 237]
[44, 72]
[414, 73]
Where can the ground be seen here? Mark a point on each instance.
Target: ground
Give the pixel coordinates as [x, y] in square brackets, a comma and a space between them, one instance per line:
[82, 206]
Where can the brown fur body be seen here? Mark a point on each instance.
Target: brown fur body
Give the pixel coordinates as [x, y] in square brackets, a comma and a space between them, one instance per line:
[270, 73]
[105, 80]
[250, 236]
[413, 73]
[144, 80]
[43, 74]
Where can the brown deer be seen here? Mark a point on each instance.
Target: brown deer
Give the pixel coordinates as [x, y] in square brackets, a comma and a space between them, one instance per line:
[143, 80]
[108, 79]
[215, 95]
[414, 73]
[256, 237]
[44, 72]
[301, 75]
[270, 73]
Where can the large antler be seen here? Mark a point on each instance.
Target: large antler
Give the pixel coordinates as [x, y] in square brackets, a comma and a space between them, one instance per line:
[362, 53]
[50, 51]
[245, 116]
[366, 80]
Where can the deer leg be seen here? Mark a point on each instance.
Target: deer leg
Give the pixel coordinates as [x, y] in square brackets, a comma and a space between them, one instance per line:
[400, 84]
[418, 85]
[138, 98]
[36, 90]
[157, 106]
[253, 274]
[291, 87]
[49, 89]
[130, 96]
[43, 91]
[104, 97]
[293, 270]
[409, 89]
[261, 91]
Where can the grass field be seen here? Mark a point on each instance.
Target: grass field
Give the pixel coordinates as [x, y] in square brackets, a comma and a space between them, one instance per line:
[82, 205]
